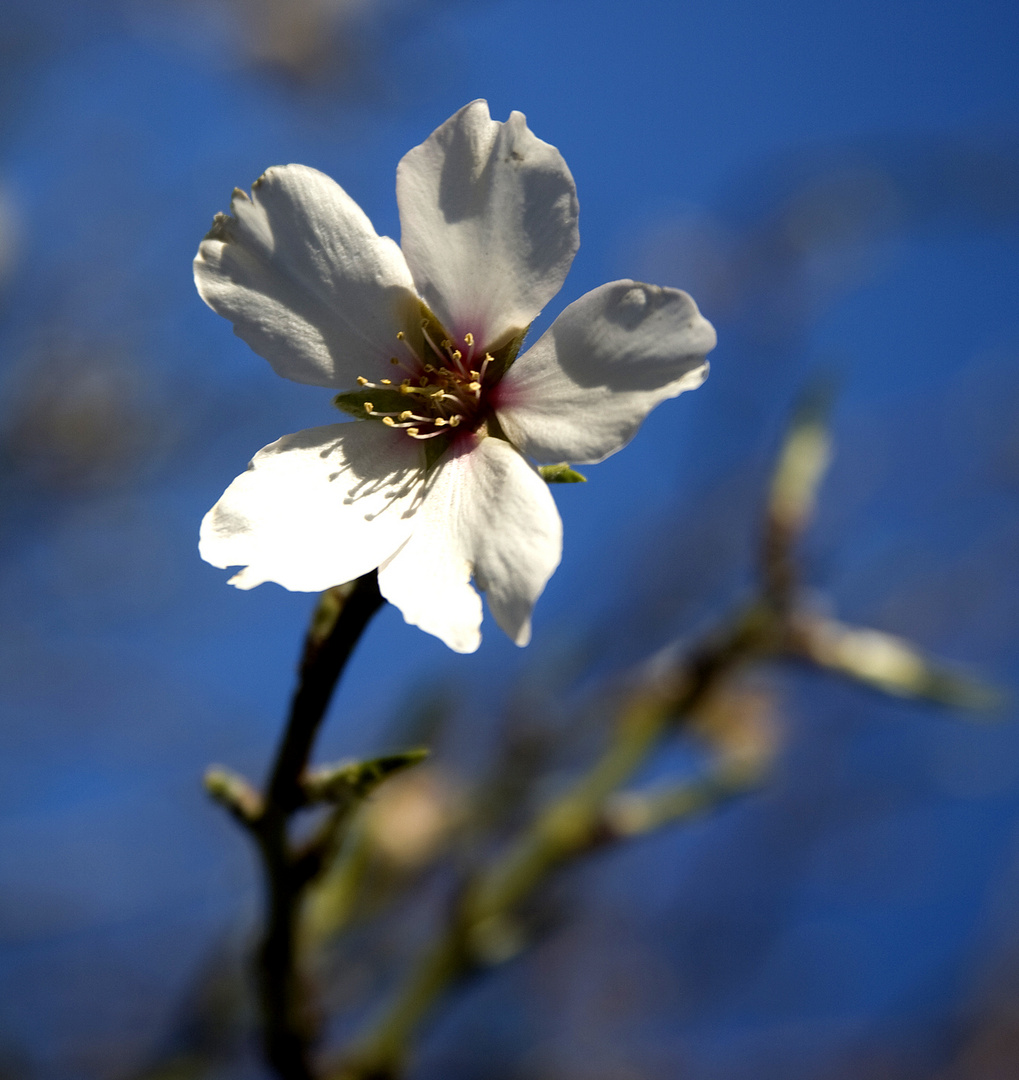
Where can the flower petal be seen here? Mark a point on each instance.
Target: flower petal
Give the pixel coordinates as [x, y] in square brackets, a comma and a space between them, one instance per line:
[305, 279]
[317, 508]
[580, 393]
[488, 217]
[486, 512]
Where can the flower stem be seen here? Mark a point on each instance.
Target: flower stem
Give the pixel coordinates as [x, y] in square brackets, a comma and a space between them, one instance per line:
[339, 620]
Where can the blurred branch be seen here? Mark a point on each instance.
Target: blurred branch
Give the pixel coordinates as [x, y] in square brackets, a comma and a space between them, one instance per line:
[885, 662]
[664, 692]
[802, 462]
[629, 814]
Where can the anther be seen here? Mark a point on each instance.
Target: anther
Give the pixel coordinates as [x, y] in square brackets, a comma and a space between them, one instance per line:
[362, 381]
[468, 338]
[386, 382]
[474, 387]
[439, 422]
[455, 420]
[400, 335]
[406, 414]
[388, 421]
[368, 407]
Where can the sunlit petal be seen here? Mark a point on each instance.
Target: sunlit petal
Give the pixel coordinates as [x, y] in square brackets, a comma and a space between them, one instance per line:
[317, 508]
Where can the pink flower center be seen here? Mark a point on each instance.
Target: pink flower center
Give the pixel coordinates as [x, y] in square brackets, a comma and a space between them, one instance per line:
[444, 390]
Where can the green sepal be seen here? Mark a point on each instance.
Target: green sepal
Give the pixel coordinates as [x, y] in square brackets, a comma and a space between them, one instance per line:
[384, 401]
[561, 474]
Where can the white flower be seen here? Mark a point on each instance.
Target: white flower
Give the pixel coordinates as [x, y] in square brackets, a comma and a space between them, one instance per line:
[434, 485]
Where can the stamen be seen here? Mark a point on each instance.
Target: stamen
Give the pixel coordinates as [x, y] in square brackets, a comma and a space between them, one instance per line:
[388, 421]
[454, 421]
[469, 342]
[386, 382]
[439, 422]
[401, 337]
[427, 337]
[362, 381]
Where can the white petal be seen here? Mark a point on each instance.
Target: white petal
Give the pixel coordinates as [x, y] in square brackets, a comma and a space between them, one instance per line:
[581, 392]
[317, 508]
[305, 279]
[488, 215]
[486, 512]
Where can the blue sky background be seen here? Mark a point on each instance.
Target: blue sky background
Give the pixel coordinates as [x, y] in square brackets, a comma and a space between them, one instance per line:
[838, 186]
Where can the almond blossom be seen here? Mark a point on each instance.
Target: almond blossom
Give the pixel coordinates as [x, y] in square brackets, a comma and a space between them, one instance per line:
[434, 485]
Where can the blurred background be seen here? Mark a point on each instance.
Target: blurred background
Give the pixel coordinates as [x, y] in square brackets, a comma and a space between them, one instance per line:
[838, 187]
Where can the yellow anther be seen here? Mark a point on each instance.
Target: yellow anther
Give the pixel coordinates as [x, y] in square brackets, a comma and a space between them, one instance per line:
[446, 343]
[439, 422]
[405, 387]
[455, 420]
[406, 414]
[468, 339]
[429, 367]
[475, 374]
[413, 431]
[388, 421]
[368, 406]
[386, 382]
[457, 354]
[474, 387]
[362, 381]
[399, 335]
